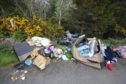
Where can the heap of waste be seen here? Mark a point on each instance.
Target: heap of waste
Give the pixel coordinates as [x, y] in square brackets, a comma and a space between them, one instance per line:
[87, 51]
[40, 51]
[94, 53]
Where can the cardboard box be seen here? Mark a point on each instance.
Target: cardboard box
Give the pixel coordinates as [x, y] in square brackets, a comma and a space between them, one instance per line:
[95, 61]
[41, 61]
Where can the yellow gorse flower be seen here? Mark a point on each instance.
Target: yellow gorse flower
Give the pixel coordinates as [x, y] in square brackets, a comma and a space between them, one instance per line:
[35, 26]
[29, 28]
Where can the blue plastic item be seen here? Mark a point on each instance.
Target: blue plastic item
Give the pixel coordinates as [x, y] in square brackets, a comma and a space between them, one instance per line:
[28, 62]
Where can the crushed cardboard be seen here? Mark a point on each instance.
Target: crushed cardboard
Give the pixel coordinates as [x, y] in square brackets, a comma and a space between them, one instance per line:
[41, 61]
[94, 61]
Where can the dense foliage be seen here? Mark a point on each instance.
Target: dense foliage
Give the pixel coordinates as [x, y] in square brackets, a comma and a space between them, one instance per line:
[21, 27]
[101, 18]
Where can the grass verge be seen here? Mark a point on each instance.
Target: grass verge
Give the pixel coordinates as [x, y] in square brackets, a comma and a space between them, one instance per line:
[115, 42]
[7, 55]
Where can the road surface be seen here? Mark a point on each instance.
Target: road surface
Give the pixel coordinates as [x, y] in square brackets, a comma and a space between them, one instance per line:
[68, 73]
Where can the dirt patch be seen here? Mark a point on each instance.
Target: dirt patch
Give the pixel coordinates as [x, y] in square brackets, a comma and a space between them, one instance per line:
[8, 41]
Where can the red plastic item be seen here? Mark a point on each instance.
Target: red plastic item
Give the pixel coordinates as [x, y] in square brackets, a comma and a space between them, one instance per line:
[108, 66]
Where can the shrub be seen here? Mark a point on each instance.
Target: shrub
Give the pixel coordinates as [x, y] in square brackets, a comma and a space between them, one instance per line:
[35, 27]
[22, 27]
[120, 29]
[1, 34]
[18, 36]
[53, 30]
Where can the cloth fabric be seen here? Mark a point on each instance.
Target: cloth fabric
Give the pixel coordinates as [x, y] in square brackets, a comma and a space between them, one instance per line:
[63, 41]
[122, 50]
[39, 41]
[62, 56]
[109, 54]
[51, 48]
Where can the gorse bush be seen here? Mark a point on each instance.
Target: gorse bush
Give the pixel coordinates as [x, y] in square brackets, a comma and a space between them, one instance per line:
[29, 28]
[35, 27]
[120, 29]
[19, 27]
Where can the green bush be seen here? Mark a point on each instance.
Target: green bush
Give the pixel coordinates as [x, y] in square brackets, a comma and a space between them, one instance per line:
[1, 35]
[18, 36]
[53, 30]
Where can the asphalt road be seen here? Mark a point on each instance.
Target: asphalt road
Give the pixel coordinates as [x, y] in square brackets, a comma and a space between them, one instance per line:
[68, 73]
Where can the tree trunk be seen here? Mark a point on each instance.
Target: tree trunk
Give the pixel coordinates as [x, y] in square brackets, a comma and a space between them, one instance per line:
[60, 14]
[60, 19]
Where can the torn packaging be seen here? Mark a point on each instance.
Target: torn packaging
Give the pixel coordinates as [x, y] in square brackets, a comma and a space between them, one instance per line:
[97, 58]
[34, 53]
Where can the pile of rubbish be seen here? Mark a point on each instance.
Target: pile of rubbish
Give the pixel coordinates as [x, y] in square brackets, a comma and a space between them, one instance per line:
[40, 51]
[19, 75]
[87, 51]
[93, 52]
[41, 54]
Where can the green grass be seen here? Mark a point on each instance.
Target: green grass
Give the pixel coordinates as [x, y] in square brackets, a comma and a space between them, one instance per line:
[69, 55]
[7, 55]
[115, 42]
